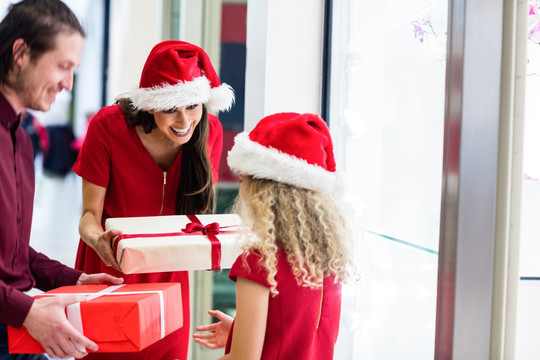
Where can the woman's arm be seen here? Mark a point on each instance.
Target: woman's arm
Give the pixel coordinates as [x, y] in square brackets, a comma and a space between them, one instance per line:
[250, 321]
[90, 225]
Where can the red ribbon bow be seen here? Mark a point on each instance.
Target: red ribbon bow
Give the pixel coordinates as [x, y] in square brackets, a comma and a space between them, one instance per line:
[210, 230]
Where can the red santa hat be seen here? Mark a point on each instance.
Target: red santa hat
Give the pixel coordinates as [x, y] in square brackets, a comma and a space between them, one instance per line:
[291, 148]
[178, 73]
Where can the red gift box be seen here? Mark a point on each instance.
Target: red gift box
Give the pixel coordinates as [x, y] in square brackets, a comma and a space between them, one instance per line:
[120, 318]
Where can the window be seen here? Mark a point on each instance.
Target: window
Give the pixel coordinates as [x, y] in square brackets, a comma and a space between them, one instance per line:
[387, 110]
[528, 317]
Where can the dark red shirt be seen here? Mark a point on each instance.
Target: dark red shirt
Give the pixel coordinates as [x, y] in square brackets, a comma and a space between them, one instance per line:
[302, 323]
[21, 267]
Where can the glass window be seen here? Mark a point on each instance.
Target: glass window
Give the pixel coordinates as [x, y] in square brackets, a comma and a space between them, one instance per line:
[528, 316]
[387, 116]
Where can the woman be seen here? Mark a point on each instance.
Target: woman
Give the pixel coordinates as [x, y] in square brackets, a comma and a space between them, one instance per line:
[154, 153]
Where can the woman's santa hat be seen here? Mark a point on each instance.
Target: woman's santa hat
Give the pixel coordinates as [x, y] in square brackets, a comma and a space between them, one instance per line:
[291, 148]
[176, 74]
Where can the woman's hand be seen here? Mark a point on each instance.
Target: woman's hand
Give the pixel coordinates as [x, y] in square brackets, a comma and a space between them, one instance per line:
[102, 244]
[90, 225]
[218, 332]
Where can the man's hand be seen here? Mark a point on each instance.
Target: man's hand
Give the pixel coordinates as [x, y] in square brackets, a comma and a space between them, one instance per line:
[47, 323]
[99, 279]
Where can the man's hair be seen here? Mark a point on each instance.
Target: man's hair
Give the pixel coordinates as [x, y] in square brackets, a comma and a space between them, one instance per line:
[37, 22]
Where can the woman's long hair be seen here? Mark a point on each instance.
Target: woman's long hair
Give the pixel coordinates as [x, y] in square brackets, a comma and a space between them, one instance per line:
[306, 224]
[195, 193]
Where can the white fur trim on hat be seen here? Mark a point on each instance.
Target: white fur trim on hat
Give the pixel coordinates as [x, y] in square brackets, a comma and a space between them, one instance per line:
[221, 98]
[197, 91]
[251, 158]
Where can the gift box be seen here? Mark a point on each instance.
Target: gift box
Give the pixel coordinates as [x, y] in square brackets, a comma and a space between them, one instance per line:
[176, 242]
[119, 318]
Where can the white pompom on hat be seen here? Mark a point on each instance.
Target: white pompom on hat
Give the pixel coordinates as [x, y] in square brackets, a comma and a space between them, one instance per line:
[177, 73]
[291, 148]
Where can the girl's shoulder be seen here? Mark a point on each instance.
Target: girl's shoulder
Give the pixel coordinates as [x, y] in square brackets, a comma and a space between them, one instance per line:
[248, 265]
[253, 259]
[251, 256]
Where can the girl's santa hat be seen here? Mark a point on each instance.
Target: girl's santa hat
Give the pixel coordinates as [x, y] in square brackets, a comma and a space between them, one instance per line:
[291, 148]
[178, 73]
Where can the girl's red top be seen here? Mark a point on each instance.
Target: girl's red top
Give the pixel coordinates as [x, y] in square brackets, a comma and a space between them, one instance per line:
[300, 325]
[114, 157]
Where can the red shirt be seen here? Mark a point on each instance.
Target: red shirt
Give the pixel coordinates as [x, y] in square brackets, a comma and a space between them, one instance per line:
[113, 156]
[293, 314]
[21, 267]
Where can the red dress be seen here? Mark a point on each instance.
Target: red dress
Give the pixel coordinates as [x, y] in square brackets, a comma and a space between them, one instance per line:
[300, 326]
[114, 157]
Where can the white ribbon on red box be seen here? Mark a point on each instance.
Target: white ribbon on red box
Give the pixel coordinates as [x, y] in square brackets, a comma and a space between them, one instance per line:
[74, 310]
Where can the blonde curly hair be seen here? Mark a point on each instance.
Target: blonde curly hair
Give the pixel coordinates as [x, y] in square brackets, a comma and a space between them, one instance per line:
[306, 224]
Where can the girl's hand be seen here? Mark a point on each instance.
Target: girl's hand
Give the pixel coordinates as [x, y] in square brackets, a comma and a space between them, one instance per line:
[218, 332]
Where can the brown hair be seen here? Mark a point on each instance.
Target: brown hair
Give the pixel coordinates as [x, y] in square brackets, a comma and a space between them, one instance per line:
[37, 22]
[195, 193]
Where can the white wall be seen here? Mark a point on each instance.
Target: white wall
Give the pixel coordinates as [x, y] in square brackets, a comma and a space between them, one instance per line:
[88, 86]
[136, 26]
[284, 57]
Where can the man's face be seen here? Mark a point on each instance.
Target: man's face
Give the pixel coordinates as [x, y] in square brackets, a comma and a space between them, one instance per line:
[37, 83]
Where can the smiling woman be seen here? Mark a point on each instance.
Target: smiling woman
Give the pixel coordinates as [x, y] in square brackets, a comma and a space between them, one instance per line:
[164, 164]
[181, 120]
[174, 129]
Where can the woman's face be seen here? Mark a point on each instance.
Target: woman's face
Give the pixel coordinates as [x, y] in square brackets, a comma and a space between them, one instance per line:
[178, 124]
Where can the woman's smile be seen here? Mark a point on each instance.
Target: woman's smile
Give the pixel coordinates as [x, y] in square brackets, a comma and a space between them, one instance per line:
[178, 124]
[181, 132]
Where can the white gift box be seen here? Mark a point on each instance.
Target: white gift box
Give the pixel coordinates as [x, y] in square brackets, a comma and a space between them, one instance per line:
[166, 243]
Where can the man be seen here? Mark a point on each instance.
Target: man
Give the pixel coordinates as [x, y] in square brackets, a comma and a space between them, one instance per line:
[42, 42]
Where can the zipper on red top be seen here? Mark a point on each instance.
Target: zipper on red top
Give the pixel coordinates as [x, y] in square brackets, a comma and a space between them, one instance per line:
[163, 192]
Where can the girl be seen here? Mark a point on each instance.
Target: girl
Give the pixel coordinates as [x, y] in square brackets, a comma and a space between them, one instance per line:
[288, 281]
[154, 153]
